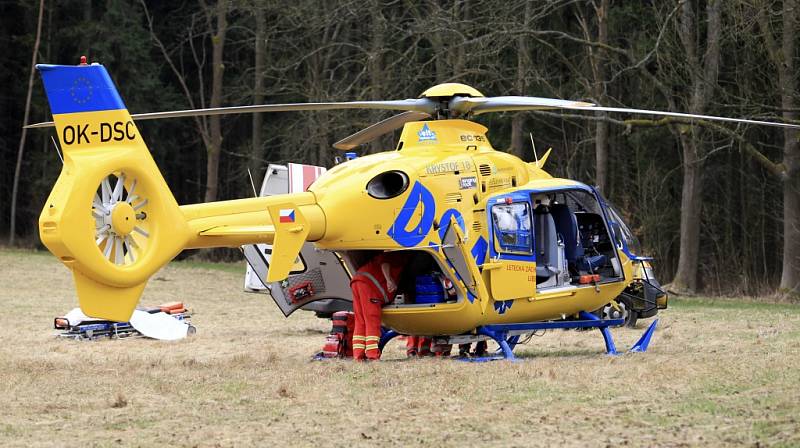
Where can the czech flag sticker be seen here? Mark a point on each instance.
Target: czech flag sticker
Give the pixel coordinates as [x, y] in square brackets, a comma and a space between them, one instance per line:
[286, 215]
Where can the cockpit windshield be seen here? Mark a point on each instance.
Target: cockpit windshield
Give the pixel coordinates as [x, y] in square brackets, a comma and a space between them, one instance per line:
[623, 231]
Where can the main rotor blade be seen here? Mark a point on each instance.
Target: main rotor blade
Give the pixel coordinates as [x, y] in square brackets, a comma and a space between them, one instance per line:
[418, 105]
[518, 103]
[477, 106]
[689, 116]
[376, 130]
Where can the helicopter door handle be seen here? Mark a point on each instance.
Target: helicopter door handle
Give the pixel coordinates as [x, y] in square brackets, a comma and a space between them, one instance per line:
[490, 266]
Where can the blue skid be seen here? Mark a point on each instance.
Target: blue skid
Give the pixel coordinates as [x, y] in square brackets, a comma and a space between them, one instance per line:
[499, 333]
[644, 341]
[386, 336]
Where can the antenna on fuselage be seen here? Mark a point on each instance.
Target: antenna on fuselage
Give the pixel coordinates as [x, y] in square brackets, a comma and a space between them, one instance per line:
[252, 184]
[534, 148]
[58, 151]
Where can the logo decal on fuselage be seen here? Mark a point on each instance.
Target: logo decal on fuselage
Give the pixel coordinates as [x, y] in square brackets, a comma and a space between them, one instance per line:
[426, 134]
[466, 183]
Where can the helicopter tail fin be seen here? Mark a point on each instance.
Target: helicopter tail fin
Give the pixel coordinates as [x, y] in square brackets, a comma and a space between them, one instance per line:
[99, 218]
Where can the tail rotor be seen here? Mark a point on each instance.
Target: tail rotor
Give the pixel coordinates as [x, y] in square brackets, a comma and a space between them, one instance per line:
[121, 228]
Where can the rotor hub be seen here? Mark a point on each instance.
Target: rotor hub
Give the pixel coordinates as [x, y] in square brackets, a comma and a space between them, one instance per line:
[123, 218]
[451, 89]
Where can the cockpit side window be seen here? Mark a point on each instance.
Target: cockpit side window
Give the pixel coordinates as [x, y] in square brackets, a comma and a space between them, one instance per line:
[512, 227]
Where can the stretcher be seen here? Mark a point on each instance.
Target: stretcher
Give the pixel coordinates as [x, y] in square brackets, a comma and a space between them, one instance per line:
[78, 326]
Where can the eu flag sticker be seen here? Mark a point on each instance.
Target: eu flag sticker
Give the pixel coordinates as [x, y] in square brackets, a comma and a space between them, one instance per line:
[286, 215]
[81, 90]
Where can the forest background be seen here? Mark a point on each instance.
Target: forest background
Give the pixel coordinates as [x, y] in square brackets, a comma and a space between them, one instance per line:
[718, 206]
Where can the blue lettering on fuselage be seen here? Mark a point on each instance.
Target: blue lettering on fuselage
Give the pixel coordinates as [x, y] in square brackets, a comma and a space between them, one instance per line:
[444, 221]
[419, 195]
[502, 306]
[479, 250]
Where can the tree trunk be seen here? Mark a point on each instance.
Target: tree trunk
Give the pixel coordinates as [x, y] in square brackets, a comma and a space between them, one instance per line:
[704, 79]
[599, 87]
[217, 70]
[23, 136]
[519, 140]
[375, 64]
[258, 94]
[790, 276]
[461, 13]
[691, 207]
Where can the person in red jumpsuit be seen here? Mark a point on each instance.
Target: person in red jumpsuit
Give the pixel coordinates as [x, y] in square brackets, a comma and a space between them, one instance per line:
[374, 286]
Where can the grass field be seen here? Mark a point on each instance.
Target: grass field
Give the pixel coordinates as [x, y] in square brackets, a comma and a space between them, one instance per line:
[718, 373]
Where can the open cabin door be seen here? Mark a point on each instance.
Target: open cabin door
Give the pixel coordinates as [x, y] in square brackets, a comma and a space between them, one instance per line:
[317, 275]
[512, 264]
[458, 254]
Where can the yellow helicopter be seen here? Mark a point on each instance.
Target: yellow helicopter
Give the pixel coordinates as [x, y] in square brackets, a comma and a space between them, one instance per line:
[522, 249]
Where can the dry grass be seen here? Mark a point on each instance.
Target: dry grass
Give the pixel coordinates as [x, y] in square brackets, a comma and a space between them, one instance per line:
[718, 373]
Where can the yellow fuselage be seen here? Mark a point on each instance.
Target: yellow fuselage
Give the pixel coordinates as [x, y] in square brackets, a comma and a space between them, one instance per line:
[355, 220]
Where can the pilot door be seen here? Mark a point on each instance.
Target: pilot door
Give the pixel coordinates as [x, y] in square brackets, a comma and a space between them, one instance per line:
[512, 263]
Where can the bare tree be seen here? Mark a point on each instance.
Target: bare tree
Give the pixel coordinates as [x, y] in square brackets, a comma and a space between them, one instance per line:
[378, 31]
[598, 62]
[784, 57]
[704, 71]
[23, 136]
[518, 137]
[209, 128]
[258, 90]
[214, 142]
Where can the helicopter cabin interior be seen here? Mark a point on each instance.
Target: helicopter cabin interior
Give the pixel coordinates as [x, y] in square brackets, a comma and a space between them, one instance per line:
[422, 282]
[562, 231]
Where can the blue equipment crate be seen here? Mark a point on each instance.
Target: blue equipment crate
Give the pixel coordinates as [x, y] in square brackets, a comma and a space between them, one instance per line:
[429, 289]
[429, 298]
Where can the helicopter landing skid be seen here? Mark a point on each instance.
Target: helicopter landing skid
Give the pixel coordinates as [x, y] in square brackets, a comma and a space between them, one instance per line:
[507, 335]
[500, 334]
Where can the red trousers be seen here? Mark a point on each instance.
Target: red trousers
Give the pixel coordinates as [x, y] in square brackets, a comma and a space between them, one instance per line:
[367, 305]
[418, 346]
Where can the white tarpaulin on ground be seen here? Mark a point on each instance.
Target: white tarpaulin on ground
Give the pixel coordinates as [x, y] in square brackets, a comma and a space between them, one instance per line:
[159, 326]
[76, 317]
